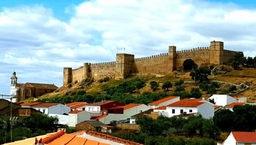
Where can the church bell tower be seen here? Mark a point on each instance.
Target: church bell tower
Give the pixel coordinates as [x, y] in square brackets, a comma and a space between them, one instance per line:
[14, 81]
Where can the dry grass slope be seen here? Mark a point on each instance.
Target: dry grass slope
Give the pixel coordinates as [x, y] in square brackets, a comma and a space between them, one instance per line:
[246, 76]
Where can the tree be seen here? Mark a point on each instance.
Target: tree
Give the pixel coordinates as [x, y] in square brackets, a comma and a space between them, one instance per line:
[195, 93]
[200, 74]
[210, 130]
[179, 89]
[177, 123]
[224, 119]
[150, 126]
[211, 90]
[180, 82]
[154, 85]
[232, 88]
[238, 60]
[166, 85]
[193, 126]
[188, 64]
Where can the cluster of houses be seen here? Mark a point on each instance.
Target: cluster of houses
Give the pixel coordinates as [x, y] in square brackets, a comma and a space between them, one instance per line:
[106, 111]
[97, 116]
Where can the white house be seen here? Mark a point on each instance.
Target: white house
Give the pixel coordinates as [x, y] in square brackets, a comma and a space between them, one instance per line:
[77, 116]
[164, 101]
[241, 138]
[222, 100]
[102, 105]
[120, 113]
[48, 108]
[187, 106]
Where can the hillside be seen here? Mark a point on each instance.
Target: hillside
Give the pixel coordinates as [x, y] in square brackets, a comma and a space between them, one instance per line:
[246, 76]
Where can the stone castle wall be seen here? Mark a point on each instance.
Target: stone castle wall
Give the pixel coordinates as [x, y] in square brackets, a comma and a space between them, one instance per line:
[156, 64]
[226, 56]
[102, 70]
[162, 64]
[200, 55]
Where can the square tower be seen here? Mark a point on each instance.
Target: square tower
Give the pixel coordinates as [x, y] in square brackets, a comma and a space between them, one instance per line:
[216, 52]
[172, 54]
[124, 65]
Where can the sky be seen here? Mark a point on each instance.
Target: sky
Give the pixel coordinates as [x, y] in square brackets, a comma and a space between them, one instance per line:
[39, 38]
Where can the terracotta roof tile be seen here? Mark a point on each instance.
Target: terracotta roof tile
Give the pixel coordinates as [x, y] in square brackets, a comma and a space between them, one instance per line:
[77, 141]
[99, 117]
[29, 103]
[129, 106]
[126, 107]
[161, 108]
[216, 106]
[187, 103]
[91, 142]
[163, 100]
[248, 137]
[75, 105]
[234, 104]
[100, 103]
[39, 85]
[63, 139]
[45, 105]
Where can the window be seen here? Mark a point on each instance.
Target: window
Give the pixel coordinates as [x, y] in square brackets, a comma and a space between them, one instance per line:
[181, 110]
[83, 109]
[43, 110]
[190, 110]
[173, 111]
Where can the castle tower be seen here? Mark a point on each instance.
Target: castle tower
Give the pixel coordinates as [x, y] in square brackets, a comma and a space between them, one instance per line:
[14, 82]
[172, 54]
[87, 70]
[216, 52]
[124, 65]
[67, 74]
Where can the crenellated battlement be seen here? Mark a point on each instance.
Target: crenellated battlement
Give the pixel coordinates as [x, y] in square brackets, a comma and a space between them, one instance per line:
[163, 63]
[103, 63]
[152, 57]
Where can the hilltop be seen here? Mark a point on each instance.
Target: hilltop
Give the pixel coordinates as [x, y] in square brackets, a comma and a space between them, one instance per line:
[225, 78]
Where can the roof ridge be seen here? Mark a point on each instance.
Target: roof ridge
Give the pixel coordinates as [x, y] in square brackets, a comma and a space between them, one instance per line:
[52, 137]
[111, 138]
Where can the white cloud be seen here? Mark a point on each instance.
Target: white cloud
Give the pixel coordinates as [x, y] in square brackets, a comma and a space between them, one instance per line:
[33, 41]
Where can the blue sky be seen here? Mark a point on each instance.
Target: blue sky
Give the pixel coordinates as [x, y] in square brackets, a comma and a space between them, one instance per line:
[40, 37]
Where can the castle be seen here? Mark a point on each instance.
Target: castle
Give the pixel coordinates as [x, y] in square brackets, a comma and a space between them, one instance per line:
[163, 64]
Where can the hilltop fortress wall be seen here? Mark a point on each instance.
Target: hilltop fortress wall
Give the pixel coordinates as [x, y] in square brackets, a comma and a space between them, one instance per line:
[163, 64]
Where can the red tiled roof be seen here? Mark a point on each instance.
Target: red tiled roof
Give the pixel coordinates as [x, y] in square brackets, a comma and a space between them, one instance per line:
[234, 104]
[45, 105]
[129, 106]
[163, 100]
[216, 106]
[75, 105]
[247, 137]
[187, 103]
[29, 103]
[61, 138]
[126, 107]
[100, 103]
[77, 141]
[75, 111]
[161, 108]
[38, 104]
[98, 117]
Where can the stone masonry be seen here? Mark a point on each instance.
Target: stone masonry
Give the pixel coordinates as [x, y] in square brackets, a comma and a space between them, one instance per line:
[162, 64]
